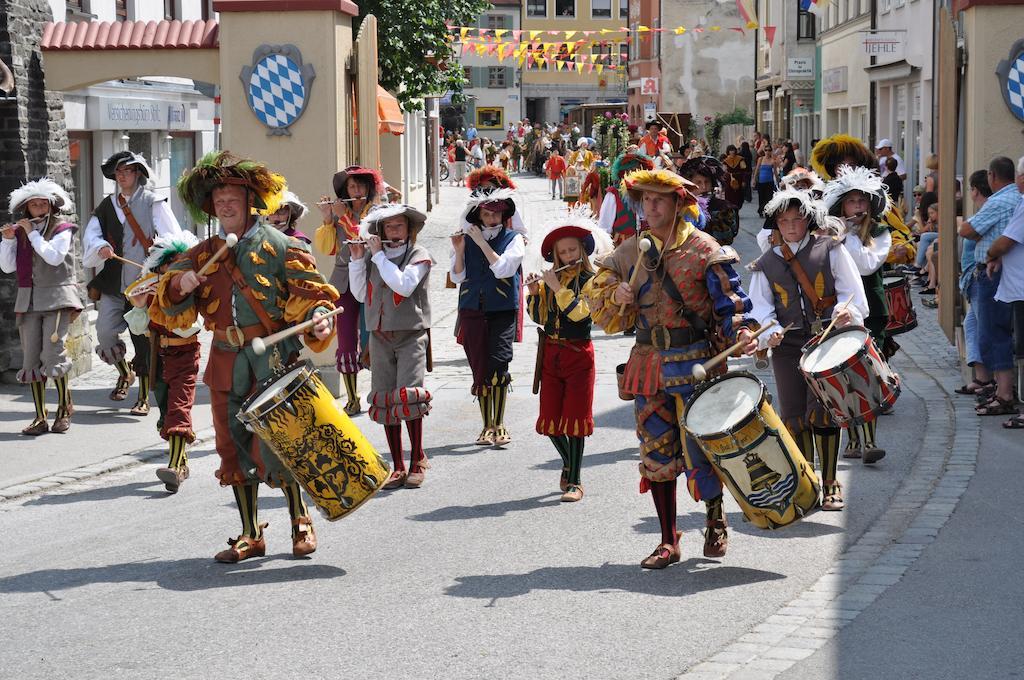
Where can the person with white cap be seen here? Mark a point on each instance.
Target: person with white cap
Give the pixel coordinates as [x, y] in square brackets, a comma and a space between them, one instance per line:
[883, 150]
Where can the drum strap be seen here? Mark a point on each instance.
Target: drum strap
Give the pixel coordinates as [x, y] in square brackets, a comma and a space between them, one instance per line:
[246, 291]
[818, 304]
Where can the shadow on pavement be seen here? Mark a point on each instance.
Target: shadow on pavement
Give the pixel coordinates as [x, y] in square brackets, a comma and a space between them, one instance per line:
[738, 525]
[185, 575]
[148, 489]
[457, 512]
[691, 576]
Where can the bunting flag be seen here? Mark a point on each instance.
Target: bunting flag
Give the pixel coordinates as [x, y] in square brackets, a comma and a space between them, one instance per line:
[769, 34]
[745, 8]
[814, 6]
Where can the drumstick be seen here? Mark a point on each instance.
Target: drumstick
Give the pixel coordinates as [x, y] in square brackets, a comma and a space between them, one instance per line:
[230, 241]
[644, 244]
[126, 260]
[56, 327]
[700, 371]
[260, 345]
[835, 318]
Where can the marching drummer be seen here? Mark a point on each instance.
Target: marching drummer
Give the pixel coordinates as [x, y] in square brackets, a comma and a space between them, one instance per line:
[858, 196]
[392, 284]
[677, 292]
[268, 281]
[783, 295]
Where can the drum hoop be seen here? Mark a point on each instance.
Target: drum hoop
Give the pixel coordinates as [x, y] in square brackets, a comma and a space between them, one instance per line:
[248, 414]
[847, 363]
[741, 423]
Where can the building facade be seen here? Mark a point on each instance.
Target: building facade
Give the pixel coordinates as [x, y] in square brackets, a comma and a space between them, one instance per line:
[644, 85]
[845, 87]
[494, 97]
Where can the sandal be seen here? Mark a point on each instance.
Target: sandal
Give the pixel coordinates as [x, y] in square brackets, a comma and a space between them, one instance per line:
[998, 407]
[930, 303]
[502, 436]
[1014, 423]
[985, 394]
[353, 407]
[486, 437]
[120, 391]
[973, 387]
[832, 498]
[852, 452]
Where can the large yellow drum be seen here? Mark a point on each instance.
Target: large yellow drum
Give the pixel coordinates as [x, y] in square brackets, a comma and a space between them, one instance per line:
[295, 415]
[753, 453]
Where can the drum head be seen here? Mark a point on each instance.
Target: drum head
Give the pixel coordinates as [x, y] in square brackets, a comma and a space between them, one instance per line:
[272, 392]
[724, 404]
[835, 350]
[893, 281]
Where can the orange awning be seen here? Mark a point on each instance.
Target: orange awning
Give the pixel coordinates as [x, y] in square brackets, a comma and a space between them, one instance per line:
[389, 113]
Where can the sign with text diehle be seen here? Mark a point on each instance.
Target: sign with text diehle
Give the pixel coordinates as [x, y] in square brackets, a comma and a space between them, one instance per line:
[885, 45]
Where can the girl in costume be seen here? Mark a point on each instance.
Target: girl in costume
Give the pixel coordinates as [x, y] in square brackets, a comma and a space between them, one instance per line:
[37, 248]
[858, 196]
[722, 220]
[288, 215]
[391, 280]
[566, 360]
[356, 190]
[739, 176]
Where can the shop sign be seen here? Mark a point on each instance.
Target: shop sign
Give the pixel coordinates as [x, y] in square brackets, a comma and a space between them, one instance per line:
[800, 67]
[833, 80]
[886, 45]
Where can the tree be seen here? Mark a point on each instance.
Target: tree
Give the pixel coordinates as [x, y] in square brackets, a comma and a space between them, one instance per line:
[414, 46]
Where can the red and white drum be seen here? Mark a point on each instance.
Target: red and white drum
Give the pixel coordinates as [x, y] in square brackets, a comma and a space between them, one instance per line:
[848, 374]
[902, 317]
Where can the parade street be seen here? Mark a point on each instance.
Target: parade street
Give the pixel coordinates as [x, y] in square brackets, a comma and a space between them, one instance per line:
[483, 573]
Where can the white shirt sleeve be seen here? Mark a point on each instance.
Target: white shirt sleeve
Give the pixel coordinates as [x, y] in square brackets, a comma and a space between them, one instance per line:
[164, 221]
[459, 277]
[606, 218]
[763, 310]
[848, 284]
[869, 259]
[764, 239]
[357, 279]
[54, 250]
[92, 242]
[402, 281]
[9, 255]
[510, 260]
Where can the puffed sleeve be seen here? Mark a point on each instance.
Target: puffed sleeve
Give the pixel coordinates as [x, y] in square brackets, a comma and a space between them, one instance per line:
[612, 270]
[308, 291]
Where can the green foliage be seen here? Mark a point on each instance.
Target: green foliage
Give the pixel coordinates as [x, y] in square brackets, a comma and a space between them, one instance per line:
[713, 126]
[410, 32]
[612, 135]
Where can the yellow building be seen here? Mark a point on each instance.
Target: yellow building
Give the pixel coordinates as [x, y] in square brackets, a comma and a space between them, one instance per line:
[548, 92]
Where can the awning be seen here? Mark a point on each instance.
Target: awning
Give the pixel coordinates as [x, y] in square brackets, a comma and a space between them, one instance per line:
[897, 70]
[389, 113]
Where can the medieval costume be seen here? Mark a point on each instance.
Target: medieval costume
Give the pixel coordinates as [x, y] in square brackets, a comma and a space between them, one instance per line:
[616, 218]
[492, 177]
[655, 145]
[799, 179]
[37, 249]
[780, 297]
[721, 218]
[738, 177]
[288, 215]
[566, 354]
[266, 282]
[686, 299]
[174, 359]
[582, 159]
[488, 273]
[869, 243]
[127, 221]
[392, 284]
[341, 224]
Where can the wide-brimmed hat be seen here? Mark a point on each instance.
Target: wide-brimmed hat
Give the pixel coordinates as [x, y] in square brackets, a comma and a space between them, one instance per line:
[648, 124]
[864, 180]
[659, 181]
[578, 222]
[492, 199]
[295, 204]
[709, 166]
[121, 158]
[368, 174]
[489, 174]
[787, 198]
[44, 187]
[370, 226]
[831, 152]
[798, 174]
[628, 162]
[221, 168]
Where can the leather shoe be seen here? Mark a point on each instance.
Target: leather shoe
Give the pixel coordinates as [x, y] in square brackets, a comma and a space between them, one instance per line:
[396, 480]
[663, 555]
[417, 474]
[243, 547]
[573, 493]
[172, 477]
[303, 537]
[716, 538]
[873, 454]
[39, 426]
[141, 408]
[62, 422]
[120, 391]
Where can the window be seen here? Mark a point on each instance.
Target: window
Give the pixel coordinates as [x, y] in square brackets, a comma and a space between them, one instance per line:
[497, 76]
[536, 8]
[467, 73]
[624, 9]
[899, 3]
[600, 9]
[804, 23]
[565, 9]
[884, 6]
[496, 21]
[490, 118]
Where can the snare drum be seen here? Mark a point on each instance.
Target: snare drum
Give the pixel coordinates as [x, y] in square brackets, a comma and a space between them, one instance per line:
[902, 317]
[848, 374]
[294, 413]
[753, 453]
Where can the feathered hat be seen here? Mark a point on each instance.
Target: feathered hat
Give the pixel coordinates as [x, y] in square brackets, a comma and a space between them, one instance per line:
[787, 198]
[166, 248]
[44, 187]
[366, 174]
[370, 226]
[489, 174]
[295, 204]
[578, 222]
[831, 152]
[660, 181]
[491, 199]
[628, 162]
[122, 158]
[859, 179]
[798, 174]
[219, 168]
[709, 166]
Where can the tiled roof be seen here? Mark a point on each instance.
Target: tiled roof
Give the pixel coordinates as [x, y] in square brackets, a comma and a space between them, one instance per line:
[130, 35]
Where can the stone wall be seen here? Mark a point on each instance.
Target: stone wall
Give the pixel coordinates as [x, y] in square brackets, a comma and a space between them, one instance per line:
[33, 143]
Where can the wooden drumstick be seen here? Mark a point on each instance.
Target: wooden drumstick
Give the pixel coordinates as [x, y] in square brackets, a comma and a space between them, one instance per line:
[700, 371]
[644, 244]
[56, 327]
[125, 260]
[230, 241]
[260, 345]
[835, 318]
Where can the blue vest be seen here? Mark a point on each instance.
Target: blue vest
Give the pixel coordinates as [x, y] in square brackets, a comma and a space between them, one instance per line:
[481, 290]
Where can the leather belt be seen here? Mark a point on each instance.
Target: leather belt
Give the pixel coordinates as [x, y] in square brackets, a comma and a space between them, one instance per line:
[238, 337]
[574, 345]
[664, 338]
[168, 341]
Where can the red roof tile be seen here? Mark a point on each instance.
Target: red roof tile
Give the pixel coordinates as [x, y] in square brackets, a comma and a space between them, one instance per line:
[130, 35]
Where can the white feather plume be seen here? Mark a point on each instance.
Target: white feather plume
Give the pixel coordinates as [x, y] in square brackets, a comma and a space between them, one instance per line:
[849, 179]
[44, 187]
[163, 244]
[810, 208]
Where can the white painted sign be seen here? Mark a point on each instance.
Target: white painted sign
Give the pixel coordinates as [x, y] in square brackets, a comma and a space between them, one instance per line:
[140, 114]
[886, 45]
[800, 67]
[650, 111]
[766, 115]
[833, 80]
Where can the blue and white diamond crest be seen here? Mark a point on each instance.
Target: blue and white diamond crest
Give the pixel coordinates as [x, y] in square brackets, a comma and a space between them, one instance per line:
[1011, 80]
[277, 86]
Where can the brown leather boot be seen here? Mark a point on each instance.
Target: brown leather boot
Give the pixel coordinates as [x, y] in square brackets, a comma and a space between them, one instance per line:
[244, 547]
[716, 538]
[172, 477]
[39, 426]
[303, 537]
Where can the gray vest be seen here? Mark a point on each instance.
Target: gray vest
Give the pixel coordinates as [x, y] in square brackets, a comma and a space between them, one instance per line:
[791, 305]
[411, 313]
[53, 287]
[122, 238]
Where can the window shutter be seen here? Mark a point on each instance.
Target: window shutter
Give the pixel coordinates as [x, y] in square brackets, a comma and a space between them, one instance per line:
[509, 75]
[479, 76]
